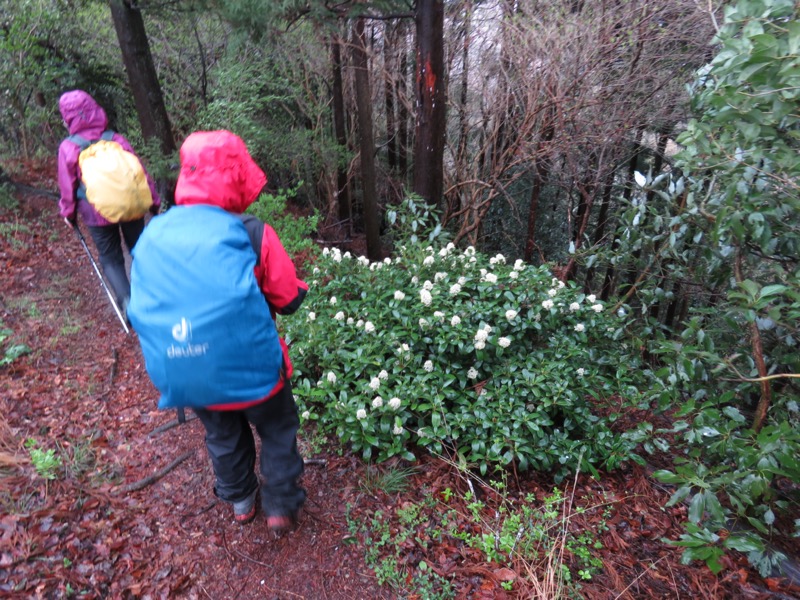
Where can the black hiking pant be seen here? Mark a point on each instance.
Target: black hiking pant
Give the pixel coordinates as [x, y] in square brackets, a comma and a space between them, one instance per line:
[232, 449]
[108, 241]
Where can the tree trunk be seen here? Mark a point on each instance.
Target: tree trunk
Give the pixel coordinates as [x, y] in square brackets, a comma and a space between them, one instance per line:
[402, 101]
[429, 130]
[758, 357]
[142, 75]
[340, 131]
[390, 91]
[541, 173]
[455, 204]
[364, 108]
[143, 81]
[600, 230]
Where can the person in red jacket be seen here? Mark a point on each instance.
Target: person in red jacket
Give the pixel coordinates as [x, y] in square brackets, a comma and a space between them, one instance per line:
[83, 116]
[217, 169]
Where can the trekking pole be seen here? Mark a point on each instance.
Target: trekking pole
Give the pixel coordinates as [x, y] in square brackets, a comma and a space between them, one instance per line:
[102, 281]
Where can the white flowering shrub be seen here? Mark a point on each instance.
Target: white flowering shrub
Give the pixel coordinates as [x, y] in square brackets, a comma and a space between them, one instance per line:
[452, 351]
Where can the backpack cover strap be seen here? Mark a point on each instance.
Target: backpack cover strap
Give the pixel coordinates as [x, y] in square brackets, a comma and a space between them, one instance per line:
[205, 329]
[255, 231]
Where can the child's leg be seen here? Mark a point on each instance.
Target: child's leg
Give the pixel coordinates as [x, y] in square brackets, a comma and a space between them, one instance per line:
[109, 247]
[131, 231]
[277, 422]
[233, 453]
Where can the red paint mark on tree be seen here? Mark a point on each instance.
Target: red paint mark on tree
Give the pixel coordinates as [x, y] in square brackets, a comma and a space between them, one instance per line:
[426, 73]
[430, 76]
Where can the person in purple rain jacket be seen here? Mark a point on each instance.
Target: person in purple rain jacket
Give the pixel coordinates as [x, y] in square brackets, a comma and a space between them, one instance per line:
[83, 116]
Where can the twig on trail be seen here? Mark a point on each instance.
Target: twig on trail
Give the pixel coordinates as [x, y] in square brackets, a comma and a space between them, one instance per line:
[113, 367]
[170, 425]
[638, 577]
[316, 461]
[143, 483]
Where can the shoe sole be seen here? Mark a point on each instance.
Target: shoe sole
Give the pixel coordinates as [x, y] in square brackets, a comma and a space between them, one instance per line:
[247, 517]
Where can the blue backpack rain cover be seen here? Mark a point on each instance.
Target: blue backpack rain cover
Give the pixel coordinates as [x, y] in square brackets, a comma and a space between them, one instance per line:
[204, 326]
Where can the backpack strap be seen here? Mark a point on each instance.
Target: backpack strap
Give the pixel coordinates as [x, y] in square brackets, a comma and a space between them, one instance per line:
[81, 141]
[83, 144]
[255, 231]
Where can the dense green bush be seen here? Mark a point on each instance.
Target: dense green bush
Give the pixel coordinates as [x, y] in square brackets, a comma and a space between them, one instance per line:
[724, 223]
[292, 230]
[455, 351]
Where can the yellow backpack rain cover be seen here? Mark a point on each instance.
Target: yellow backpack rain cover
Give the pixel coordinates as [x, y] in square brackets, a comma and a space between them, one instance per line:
[113, 179]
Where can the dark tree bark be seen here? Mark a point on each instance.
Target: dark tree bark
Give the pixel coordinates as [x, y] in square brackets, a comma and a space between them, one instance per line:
[600, 230]
[461, 152]
[390, 92]
[541, 172]
[340, 131]
[142, 75]
[402, 100]
[367, 148]
[429, 130]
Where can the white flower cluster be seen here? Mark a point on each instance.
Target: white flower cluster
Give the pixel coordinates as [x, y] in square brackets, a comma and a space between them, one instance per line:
[398, 295]
[481, 336]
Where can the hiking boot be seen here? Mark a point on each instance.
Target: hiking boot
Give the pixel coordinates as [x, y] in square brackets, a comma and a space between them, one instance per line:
[244, 511]
[280, 524]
